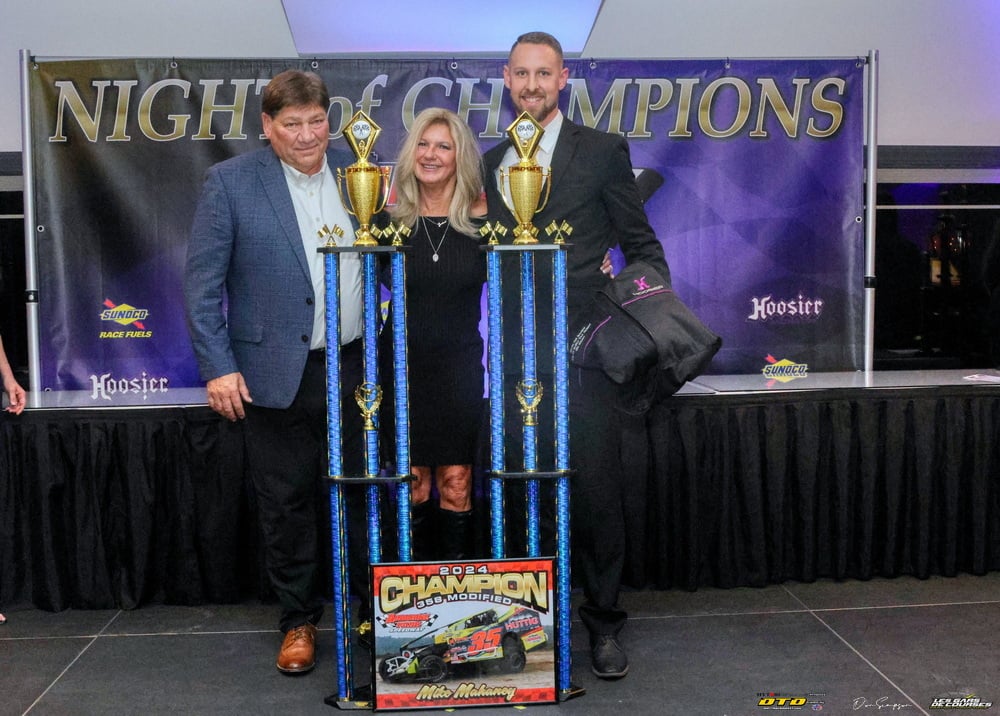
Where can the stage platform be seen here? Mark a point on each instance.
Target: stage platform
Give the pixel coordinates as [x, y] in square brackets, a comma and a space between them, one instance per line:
[735, 481]
[831, 524]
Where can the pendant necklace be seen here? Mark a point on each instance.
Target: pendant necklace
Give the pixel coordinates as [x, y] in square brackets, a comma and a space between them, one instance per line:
[435, 249]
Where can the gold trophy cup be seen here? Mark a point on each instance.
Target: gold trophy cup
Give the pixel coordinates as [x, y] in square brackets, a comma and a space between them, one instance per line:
[367, 183]
[526, 179]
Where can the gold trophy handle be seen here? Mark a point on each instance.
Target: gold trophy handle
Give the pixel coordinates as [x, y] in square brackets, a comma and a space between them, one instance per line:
[340, 192]
[505, 191]
[547, 182]
[505, 183]
[385, 172]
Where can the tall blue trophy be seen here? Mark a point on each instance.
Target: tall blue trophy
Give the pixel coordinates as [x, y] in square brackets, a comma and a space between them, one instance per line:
[522, 187]
[367, 189]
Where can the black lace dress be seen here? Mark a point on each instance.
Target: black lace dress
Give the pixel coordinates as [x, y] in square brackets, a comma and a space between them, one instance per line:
[445, 273]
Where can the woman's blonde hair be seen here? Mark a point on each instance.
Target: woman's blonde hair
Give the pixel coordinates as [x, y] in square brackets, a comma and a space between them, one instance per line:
[468, 171]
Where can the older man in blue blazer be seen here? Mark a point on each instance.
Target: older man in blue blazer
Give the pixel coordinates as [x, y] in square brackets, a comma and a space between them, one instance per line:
[254, 292]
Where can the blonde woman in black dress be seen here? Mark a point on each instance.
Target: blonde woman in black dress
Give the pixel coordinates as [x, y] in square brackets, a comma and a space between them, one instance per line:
[439, 195]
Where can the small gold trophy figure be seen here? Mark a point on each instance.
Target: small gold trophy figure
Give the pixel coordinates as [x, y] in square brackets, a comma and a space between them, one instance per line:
[529, 395]
[368, 397]
[525, 179]
[367, 183]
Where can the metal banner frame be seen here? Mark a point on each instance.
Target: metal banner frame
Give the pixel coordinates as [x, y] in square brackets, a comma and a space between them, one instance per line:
[46, 228]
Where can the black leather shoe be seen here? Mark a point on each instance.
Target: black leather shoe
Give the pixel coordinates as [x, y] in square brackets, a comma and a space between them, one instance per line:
[607, 658]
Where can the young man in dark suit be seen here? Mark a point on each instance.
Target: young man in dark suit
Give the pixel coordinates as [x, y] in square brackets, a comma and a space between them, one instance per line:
[254, 291]
[593, 188]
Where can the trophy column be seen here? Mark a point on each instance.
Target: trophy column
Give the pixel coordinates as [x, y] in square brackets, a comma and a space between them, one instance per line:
[530, 394]
[526, 182]
[366, 183]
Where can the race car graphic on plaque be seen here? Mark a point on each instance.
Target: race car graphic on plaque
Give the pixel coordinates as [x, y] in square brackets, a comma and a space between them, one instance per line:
[456, 634]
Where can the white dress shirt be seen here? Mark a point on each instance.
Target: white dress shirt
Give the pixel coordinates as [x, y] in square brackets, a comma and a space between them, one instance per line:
[317, 204]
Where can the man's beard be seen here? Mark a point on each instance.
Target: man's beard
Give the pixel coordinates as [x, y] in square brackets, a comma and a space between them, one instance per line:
[538, 112]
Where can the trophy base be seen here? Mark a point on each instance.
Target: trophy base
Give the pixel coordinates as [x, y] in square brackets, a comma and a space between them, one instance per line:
[571, 693]
[523, 240]
[362, 700]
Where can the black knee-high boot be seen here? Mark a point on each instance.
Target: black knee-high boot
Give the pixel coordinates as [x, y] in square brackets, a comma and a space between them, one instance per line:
[424, 530]
[456, 535]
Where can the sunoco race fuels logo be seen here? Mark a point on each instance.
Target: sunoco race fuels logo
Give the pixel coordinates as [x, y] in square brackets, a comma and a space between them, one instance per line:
[126, 316]
[783, 370]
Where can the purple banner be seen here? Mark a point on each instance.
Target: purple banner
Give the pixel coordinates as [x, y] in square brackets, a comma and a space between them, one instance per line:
[760, 208]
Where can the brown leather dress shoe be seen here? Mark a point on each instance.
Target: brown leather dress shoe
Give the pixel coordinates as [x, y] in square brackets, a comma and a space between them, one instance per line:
[298, 650]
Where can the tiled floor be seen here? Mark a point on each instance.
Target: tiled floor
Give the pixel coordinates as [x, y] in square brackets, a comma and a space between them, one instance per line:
[878, 647]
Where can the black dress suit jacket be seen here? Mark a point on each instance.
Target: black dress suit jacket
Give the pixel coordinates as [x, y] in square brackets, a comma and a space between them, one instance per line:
[594, 190]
